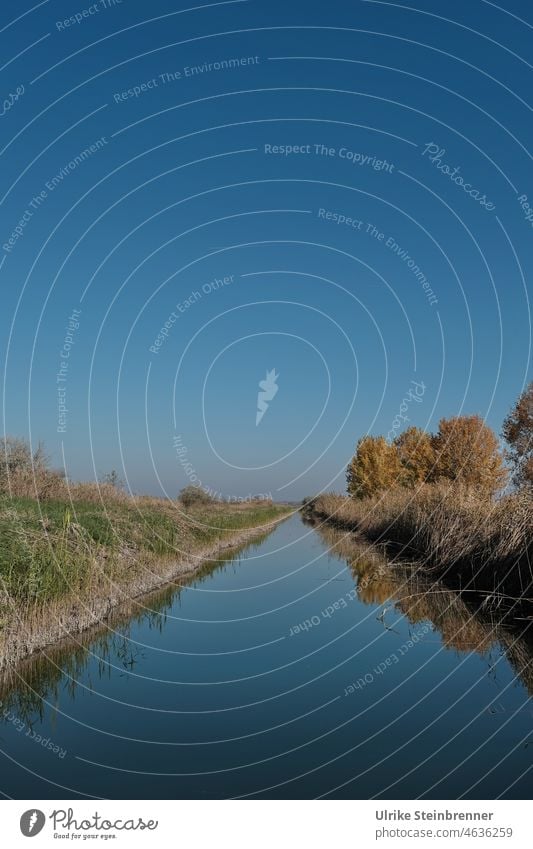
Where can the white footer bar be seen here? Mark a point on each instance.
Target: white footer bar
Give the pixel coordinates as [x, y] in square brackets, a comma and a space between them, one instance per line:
[268, 824]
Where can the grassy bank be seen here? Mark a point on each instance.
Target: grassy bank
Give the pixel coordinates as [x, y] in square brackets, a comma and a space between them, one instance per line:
[65, 564]
[37, 679]
[482, 545]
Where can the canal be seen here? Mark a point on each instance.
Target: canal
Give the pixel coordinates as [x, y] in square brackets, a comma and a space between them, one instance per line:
[304, 666]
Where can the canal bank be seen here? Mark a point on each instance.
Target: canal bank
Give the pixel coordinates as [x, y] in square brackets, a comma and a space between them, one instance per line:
[117, 567]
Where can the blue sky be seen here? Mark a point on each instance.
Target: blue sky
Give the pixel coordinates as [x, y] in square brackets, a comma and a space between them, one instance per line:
[335, 191]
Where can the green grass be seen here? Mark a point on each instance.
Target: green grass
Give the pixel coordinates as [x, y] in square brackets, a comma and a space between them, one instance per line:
[51, 549]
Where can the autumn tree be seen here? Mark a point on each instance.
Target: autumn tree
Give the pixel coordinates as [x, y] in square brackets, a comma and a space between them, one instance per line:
[374, 467]
[416, 454]
[518, 433]
[467, 450]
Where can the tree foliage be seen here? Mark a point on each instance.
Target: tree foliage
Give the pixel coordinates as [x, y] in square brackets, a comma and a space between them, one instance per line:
[464, 450]
[375, 467]
[417, 456]
[518, 433]
[467, 451]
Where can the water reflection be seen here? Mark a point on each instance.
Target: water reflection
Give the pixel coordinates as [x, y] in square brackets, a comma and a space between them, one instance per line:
[26, 687]
[464, 623]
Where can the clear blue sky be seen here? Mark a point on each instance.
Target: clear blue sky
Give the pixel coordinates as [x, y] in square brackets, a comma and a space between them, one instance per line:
[296, 117]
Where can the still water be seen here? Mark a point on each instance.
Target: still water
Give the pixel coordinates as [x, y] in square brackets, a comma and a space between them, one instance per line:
[303, 667]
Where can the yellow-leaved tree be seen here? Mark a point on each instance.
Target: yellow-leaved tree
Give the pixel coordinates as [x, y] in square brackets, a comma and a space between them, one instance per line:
[467, 450]
[374, 467]
[417, 456]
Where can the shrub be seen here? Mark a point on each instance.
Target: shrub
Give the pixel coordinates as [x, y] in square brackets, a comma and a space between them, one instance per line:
[25, 473]
[193, 496]
[113, 478]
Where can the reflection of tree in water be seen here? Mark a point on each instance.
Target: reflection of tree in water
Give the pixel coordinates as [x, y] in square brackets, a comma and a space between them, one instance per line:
[43, 677]
[463, 623]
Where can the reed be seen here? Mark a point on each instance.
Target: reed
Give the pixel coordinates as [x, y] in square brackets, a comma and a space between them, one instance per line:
[486, 545]
[64, 565]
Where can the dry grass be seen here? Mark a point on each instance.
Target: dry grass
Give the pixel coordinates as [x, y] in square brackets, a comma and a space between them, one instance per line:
[462, 622]
[487, 545]
[64, 564]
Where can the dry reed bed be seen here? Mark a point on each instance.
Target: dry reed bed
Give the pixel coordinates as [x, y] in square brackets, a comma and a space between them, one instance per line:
[486, 545]
[421, 597]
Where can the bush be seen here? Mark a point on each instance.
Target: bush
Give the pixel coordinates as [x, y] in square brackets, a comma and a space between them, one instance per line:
[113, 478]
[193, 496]
[25, 473]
